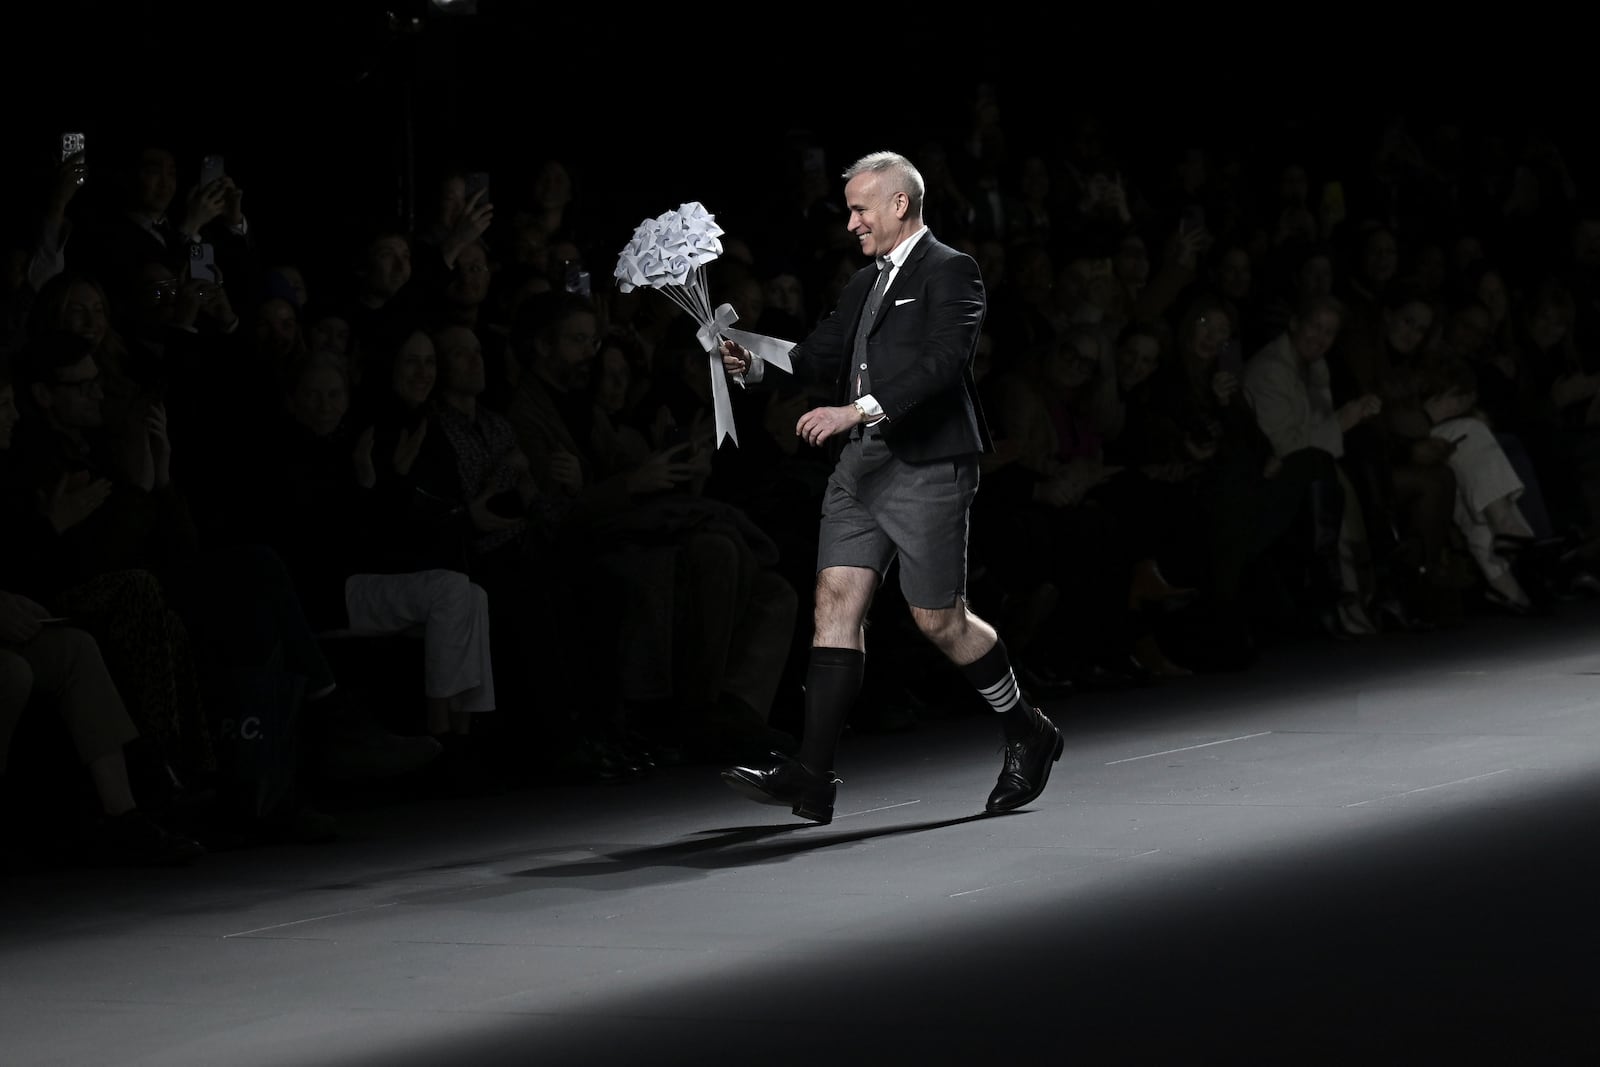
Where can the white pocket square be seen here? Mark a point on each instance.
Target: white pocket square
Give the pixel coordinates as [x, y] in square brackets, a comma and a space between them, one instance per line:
[907, 300]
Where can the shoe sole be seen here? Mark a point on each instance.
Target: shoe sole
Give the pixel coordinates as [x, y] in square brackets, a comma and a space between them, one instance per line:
[1044, 778]
[744, 787]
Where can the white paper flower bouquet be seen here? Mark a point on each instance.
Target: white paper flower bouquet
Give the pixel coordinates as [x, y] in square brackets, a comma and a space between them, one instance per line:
[669, 254]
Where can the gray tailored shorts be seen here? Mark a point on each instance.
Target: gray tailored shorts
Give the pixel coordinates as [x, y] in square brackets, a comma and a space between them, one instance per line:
[877, 508]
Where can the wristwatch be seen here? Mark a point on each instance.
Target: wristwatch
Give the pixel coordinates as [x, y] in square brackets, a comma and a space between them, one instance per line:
[866, 416]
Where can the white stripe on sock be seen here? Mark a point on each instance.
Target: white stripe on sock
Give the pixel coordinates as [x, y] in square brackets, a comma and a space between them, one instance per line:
[1004, 694]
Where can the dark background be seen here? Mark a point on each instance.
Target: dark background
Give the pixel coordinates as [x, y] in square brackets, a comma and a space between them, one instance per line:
[326, 114]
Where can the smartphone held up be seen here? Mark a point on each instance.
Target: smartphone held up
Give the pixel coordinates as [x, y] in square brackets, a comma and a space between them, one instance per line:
[203, 264]
[211, 171]
[72, 152]
[577, 279]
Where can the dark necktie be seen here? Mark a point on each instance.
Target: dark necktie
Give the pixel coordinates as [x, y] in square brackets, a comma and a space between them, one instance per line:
[874, 298]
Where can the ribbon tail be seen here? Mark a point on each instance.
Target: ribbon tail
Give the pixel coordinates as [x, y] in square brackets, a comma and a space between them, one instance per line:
[770, 349]
[721, 405]
[709, 335]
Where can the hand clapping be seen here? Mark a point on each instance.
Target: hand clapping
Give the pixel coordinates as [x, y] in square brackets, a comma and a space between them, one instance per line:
[663, 470]
[74, 499]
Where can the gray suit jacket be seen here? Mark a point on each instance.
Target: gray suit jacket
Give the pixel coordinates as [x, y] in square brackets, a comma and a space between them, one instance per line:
[920, 353]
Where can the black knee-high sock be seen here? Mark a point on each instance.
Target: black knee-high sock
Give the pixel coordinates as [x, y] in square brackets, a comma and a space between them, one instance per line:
[991, 675]
[833, 681]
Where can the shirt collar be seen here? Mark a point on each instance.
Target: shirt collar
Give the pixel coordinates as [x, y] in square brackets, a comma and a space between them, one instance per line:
[897, 256]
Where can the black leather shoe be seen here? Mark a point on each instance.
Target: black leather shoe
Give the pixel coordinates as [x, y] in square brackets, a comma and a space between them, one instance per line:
[1027, 766]
[788, 783]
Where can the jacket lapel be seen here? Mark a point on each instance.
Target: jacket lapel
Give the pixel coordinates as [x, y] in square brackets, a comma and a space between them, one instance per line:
[901, 281]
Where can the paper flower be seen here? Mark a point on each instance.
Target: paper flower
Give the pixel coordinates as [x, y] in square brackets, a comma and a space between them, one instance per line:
[669, 253]
[671, 250]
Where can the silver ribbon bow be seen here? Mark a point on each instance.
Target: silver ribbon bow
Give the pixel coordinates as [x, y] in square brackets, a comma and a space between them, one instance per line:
[710, 335]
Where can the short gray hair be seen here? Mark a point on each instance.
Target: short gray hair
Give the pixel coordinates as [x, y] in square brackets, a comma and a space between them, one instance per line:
[902, 171]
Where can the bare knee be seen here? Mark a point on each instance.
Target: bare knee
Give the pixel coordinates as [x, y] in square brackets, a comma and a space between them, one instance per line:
[942, 626]
[955, 631]
[842, 598]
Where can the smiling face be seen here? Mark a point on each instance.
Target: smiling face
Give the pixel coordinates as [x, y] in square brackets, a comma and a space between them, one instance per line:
[388, 266]
[277, 325]
[877, 212]
[469, 284]
[785, 293]
[415, 370]
[84, 313]
[72, 397]
[1380, 257]
[1208, 333]
[1492, 291]
[1548, 325]
[614, 380]
[565, 351]
[1313, 334]
[1406, 326]
[329, 332]
[157, 294]
[320, 398]
[1137, 357]
[1074, 363]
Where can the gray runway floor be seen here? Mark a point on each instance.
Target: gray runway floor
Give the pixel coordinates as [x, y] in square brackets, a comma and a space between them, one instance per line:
[1372, 853]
